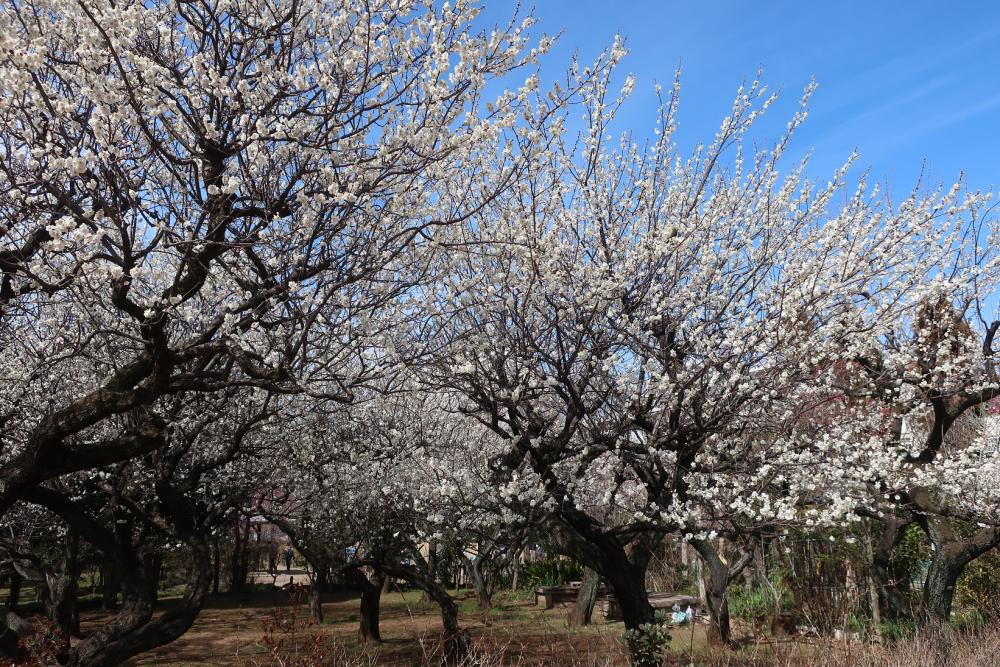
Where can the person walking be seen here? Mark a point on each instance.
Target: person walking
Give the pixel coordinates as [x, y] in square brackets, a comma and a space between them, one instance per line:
[272, 557]
[288, 557]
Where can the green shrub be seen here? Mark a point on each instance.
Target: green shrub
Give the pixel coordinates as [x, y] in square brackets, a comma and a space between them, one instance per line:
[551, 572]
[858, 622]
[911, 555]
[967, 620]
[748, 602]
[646, 644]
[898, 630]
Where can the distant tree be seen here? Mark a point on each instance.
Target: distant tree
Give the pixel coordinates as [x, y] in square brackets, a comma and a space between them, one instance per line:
[362, 495]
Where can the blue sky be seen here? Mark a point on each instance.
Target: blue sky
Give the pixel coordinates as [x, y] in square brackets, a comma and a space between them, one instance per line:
[910, 84]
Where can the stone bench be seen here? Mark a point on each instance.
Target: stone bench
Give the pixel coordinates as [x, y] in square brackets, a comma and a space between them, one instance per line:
[547, 597]
[659, 601]
[550, 596]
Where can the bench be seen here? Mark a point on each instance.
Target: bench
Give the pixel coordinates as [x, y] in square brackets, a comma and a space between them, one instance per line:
[550, 596]
[659, 601]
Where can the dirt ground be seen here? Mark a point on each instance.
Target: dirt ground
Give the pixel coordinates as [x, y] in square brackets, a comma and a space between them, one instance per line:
[230, 631]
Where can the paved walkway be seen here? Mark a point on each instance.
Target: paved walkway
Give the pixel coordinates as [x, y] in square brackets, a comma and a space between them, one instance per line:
[282, 578]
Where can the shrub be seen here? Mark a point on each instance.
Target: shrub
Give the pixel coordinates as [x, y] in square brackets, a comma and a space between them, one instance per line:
[749, 603]
[979, 585]
[550, 573]
[646, 644]
[898, 630]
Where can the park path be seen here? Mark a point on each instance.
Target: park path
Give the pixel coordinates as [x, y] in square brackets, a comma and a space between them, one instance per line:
[282, 578]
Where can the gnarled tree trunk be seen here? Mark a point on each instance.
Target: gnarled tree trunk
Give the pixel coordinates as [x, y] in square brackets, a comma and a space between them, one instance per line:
[371, 599]
[720, 575]
[454, 642]
[939, 587]
[952, 553]
[316, 589]
[111, 586]
[239, 562]
[134, 630]
[473, 568]
[61, 595]
[216, 565]
[154, 568]
[624, 567]
[432, 549]
[586, 598]
[628, 581]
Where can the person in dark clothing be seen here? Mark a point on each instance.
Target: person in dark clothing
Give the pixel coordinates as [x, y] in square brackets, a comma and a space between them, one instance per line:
[272, 557]
[288, 557]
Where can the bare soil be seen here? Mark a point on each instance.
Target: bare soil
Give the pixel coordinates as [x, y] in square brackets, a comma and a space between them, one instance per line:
[231, 631]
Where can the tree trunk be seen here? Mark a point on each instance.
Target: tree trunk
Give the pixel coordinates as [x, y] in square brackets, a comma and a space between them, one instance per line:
[939, 587]
[586, 597]
[240, 561]
[371, 598]
[873, 596]
[720, 575]
[630, 591]
[109, 594]
[432, 548]
[893, 586]
[628, 581]
[952, 553]
[760, 579]
[719, 631]
[133, 630]
[61, 597]
[455, 645]
[14, 595]
[316, 593]
[454, 642]
[473, 569]
[154, 566]
[699, 577]
[216, 566]
[624, 567]
[716, 585]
